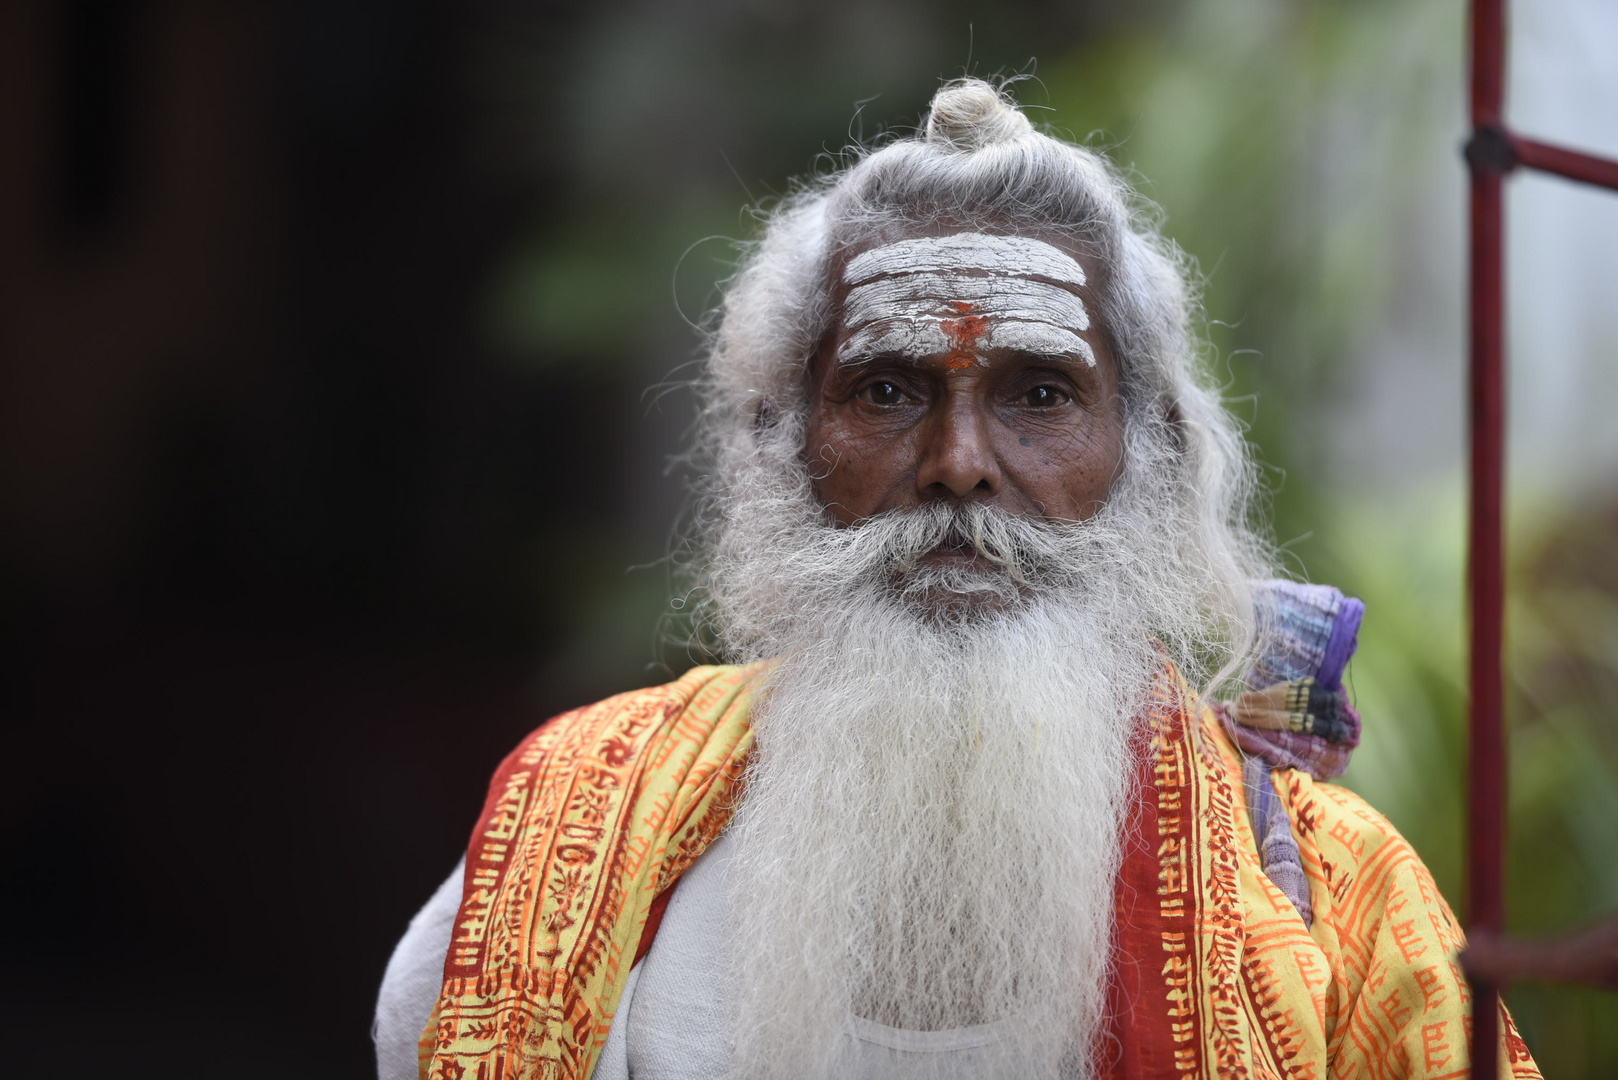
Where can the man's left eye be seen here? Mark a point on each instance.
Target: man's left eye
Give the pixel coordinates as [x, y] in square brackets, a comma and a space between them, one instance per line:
[1044, 396]
[883, 392]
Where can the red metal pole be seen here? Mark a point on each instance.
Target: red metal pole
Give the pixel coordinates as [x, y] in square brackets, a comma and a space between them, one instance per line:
[1486, 558]
[1492, 152]
[1569, 163]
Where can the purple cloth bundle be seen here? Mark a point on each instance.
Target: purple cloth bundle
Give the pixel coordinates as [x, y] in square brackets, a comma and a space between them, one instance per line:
[1309, 632]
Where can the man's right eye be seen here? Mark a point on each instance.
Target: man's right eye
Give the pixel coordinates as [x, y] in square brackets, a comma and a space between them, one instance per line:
[883, 392]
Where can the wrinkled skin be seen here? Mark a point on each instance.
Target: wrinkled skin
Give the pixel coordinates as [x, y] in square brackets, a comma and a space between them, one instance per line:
[1035, 435]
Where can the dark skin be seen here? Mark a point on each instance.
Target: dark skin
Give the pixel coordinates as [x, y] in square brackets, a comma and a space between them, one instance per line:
[1031, 434]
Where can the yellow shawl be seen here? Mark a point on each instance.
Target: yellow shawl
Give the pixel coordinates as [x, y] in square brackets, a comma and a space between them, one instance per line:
[595, 815]
[589, 820]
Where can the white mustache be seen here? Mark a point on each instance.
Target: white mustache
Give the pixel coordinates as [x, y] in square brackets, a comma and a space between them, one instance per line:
[1026, 550]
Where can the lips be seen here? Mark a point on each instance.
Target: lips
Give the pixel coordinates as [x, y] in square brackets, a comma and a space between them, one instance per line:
[963, 553]
[956, 553]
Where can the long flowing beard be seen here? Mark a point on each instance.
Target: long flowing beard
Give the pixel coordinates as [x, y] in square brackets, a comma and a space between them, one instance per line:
[932, 823]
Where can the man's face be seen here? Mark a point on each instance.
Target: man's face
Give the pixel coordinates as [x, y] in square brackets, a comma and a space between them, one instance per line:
[965, 367]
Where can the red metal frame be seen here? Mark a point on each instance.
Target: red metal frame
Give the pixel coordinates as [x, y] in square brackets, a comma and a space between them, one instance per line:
[1492, 152]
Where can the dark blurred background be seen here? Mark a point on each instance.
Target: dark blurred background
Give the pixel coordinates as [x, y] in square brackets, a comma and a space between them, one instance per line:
[342, 344]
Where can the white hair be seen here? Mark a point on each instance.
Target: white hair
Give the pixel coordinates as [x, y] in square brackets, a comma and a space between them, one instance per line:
[979, 163]
[945, 752]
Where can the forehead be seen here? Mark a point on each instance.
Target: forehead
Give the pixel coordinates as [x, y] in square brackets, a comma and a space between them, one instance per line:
[963, 294]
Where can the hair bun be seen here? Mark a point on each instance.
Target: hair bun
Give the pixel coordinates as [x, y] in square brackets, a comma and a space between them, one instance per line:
[969, 114]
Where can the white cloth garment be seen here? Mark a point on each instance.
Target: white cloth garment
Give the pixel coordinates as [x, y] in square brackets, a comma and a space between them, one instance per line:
[679, 1026]
[411, 983]
[672, 1021]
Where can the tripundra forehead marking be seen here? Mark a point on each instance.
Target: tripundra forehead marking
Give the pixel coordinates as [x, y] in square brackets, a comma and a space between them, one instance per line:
[923, 294]
[1013, 256]
[962, 294]
[922, 337]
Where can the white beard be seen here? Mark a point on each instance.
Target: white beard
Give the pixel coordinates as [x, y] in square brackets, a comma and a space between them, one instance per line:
[932, 823]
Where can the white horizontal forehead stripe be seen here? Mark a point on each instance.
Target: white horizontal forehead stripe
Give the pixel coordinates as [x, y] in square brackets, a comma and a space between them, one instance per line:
[1017, 256]
[916, 338]
[909, 338]
[931, 294]
[1039, 338]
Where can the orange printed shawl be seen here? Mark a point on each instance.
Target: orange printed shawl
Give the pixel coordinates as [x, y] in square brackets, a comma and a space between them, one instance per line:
[1217, 975]
[595, 815]
[587, 822]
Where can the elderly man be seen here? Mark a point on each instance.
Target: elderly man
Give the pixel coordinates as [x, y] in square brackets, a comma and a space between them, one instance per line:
[976, 529]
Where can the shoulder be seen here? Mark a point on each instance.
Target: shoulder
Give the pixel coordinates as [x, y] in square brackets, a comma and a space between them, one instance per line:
[1366, 883]
[1351, 852]
[702, 689]
[1361, 854]
[673, 743]
[1376, 904]
[619, 727]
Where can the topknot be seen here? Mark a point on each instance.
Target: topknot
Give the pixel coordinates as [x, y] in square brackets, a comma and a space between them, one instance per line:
[969, 114]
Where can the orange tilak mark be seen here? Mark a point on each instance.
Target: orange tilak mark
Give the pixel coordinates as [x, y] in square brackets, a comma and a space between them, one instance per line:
[964, 334]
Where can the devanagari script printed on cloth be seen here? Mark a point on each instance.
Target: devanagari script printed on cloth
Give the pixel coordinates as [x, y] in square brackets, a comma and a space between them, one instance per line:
[597, 813]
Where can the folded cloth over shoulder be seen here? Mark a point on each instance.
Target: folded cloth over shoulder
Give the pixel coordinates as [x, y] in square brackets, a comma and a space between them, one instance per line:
[1301, 706]
[1294, 712]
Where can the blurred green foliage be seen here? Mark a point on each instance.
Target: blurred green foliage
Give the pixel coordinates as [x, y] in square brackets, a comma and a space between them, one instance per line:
[1294, 148]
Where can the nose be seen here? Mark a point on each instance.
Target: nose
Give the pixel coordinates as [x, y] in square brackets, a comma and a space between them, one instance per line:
[958, 455]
